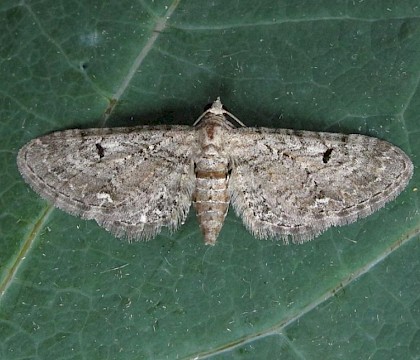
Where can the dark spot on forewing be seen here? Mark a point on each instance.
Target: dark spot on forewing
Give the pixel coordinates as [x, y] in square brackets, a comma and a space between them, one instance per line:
[326, 156]
[100, 150]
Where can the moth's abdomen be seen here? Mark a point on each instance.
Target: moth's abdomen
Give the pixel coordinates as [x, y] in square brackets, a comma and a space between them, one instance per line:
[211, 198]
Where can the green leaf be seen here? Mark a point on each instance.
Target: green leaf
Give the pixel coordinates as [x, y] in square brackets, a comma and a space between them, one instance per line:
[71, 290]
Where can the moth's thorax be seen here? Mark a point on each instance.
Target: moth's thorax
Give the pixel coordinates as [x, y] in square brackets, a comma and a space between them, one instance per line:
[212, 132]
[217, 122]
[211, 198]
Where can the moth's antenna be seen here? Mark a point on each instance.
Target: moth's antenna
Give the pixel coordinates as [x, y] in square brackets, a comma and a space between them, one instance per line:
[217, 109]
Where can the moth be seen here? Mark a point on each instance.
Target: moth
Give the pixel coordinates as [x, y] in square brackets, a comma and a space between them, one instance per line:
[284, 184]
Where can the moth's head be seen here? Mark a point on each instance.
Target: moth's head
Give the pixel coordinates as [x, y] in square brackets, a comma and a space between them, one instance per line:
[217, 107]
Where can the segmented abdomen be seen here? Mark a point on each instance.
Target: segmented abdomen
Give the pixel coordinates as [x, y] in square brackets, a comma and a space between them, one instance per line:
[211, 198]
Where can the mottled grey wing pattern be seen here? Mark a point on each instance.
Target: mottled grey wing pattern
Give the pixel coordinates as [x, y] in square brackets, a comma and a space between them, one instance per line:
[283, 183]
[296, 184]
[132, 185]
